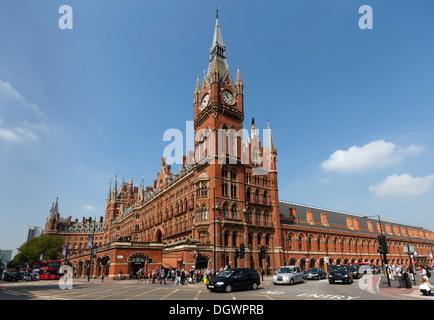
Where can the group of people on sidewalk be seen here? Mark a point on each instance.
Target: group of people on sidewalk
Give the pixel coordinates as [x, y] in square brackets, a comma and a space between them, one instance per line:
[178, 276]
[404, 277]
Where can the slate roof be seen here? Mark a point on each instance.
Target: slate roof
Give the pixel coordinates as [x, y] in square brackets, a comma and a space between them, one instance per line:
[338, 220]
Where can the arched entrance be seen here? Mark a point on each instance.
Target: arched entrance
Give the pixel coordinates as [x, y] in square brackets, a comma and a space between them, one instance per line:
[201, 262]
[105, 262]
[137, 261]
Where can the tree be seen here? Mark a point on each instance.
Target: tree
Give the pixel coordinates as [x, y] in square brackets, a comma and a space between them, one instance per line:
[48, 245]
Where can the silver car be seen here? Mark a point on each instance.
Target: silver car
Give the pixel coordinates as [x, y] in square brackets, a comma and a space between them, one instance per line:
[288, 275]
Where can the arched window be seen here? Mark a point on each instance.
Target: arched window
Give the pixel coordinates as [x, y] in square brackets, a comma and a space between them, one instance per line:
[224, 188]
[225, 210]
[257, 217]
[300, 245]
[234, 212]
[265, 198]
[204, 214]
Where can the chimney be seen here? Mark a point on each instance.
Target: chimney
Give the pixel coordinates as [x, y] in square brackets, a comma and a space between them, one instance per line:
[388, 229]
[309, 217]
[293, 215]
[379, 228]
[324, 220]
[184, 160]
[350, 223]
[356, 224]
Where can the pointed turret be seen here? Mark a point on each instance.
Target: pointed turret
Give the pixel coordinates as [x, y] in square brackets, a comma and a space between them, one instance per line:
[269, 145]
[218, 53]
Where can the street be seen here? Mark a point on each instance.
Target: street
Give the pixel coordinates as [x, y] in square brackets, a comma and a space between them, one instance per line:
[81, 289]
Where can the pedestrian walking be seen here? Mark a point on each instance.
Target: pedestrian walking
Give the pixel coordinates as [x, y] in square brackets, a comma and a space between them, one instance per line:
[162, 276]
[399, 274]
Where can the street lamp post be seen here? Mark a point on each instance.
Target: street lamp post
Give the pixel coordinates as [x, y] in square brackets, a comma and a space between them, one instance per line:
[91, 251]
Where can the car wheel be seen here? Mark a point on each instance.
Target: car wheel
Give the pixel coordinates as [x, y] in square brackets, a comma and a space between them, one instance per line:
[228, 288]
[291, 282]
[254, 286]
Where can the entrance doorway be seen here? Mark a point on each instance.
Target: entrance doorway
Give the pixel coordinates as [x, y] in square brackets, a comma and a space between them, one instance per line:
[201, 262]
[137, 263]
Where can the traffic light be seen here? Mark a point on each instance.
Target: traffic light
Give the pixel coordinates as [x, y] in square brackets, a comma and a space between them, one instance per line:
[383, 244]
[262, 253]
[242, 251]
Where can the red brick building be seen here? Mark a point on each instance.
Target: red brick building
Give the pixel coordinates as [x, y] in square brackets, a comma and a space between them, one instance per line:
[225, 195]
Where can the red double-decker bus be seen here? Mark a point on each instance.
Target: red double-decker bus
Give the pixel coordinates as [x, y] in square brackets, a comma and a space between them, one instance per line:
[49, 270]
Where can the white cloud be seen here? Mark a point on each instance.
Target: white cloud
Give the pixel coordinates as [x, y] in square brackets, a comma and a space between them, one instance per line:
[17, 134]
[88, 208]
[375, 154]
[9, 92]
[402, 185]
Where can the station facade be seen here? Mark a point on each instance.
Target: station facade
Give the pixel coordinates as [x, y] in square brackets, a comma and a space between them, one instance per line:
[223, 197]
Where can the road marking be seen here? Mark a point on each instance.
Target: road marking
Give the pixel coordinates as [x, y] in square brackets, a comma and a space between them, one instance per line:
[326, 296]
[233, 297]
[167, 295]
[197, 295]
[143, 293]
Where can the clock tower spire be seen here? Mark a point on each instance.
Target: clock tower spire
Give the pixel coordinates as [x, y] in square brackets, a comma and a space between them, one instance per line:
[219, 102]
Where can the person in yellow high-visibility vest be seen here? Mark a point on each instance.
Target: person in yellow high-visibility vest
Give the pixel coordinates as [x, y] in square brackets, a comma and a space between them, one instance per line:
[204, 278]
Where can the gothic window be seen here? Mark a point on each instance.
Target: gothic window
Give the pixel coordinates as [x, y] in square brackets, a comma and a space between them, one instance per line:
[224, 172]
[233, 174]
[248, 178]
[257, 217]
[204, 191]
[248, 215]
[265, 198]
[257, 196]
[248, 195]
[267, 240]
[226, 239]
[224, 188]
[233, 190]
[204, 214]
[225, 210]
[290, 241]
[266, 218]
[234, 212]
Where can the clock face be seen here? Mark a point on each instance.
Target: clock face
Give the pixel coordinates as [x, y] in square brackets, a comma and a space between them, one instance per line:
[205, 101]
[228, 97]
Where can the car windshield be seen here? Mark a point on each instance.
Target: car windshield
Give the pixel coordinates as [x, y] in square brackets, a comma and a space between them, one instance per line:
[285, 270]
[338, 269]
[13, 273]
[225, 274]
[354, 268]
[313, 270]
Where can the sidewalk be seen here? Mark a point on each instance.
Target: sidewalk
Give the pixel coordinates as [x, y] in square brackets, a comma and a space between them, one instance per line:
[412, 292]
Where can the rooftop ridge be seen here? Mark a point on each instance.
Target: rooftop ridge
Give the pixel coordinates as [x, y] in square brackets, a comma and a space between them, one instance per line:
[352, 214]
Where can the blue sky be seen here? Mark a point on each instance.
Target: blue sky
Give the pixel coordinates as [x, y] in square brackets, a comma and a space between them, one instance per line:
[351, 110]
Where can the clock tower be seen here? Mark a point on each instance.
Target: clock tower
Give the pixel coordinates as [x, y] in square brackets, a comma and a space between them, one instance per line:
[219, 100]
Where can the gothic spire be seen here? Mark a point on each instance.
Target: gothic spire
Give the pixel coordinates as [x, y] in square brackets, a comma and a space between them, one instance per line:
[218, 52]
[269, 145]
